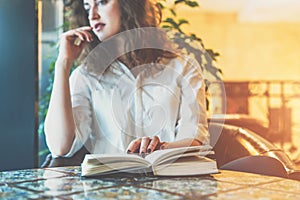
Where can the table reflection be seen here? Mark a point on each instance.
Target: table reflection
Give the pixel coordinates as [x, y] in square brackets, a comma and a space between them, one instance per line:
[66, 183]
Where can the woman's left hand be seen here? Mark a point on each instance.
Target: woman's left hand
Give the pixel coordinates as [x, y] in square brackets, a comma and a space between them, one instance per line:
[146, 145]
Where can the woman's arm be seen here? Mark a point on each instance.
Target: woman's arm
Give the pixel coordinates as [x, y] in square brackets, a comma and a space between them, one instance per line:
[59, 122]
[184, 143]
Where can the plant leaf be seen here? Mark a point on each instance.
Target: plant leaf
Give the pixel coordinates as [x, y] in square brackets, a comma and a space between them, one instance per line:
[179, 1]
[192, 3]
[182, 21]
[173, 12]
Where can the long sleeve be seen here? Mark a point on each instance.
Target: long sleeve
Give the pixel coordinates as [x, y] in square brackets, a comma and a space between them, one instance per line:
[192, 119]
[81, 105]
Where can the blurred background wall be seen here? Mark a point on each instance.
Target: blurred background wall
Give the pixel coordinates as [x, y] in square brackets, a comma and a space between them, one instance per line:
[259, 43]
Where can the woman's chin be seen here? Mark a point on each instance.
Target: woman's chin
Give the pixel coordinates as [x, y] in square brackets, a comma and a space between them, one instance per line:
[104, 36]
[100, 37]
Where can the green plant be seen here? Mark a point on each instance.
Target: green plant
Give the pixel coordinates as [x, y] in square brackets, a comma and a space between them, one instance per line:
[189, 42]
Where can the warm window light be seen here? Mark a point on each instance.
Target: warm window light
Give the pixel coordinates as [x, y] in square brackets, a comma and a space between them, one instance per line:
[222, 6]
[271, 11]
[257, 10]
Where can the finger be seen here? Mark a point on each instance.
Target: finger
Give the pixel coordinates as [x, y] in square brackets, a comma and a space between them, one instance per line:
[85, 28]
[153, 144]
[134, 145]
[80, 40]
[144, 145]
[80, 35]
[164, 145]
[85, 34]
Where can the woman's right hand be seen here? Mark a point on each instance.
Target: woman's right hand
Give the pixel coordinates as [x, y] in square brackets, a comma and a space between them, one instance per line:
[70, 51]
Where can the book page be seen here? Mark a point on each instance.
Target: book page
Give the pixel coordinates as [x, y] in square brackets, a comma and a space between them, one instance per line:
[187, 166]
[113, 158]
[160, 155]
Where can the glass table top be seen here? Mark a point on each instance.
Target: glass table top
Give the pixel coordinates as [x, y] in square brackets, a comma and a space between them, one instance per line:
[66, 183]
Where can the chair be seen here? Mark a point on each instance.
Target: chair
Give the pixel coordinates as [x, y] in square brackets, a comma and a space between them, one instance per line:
[239, 149]
[264, 165]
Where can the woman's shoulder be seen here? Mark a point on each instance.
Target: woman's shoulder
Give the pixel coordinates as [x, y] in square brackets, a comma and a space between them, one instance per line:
[80, 76]
[79, 71]
[92, 71]
[80, 80]
[85, 71]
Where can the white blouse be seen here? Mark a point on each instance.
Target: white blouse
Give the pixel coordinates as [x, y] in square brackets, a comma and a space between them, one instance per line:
[117, 105]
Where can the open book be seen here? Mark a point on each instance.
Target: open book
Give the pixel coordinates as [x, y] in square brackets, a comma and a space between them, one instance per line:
[184, 161]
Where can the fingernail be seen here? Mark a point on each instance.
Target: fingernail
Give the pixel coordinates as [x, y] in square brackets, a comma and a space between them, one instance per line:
[148, 150]
[143, 154]
[128, 151]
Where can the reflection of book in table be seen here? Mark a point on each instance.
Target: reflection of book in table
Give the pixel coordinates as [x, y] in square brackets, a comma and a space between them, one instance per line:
[184, 161]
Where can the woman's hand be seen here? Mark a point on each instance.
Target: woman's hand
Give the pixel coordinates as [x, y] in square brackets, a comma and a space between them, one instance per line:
[146, 145]
[73, 42]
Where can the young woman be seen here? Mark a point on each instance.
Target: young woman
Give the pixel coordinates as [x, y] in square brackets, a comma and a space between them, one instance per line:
[145, 99]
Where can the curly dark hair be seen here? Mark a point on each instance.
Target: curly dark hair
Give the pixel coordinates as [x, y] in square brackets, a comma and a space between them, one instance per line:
[135, 14]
